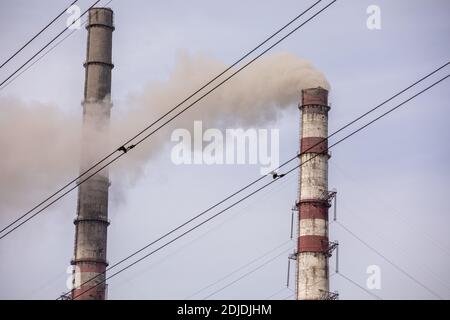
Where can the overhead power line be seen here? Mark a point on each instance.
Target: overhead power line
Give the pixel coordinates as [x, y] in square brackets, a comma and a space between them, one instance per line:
[246, 197]
[78, 180]
[47, 45]
[277, 292]
[289, 296]
[37, 34]
[37, 60]
[239, 269]
[210, 230]
[359, 286]
[293, 292]
[45, 53]
[400, 248]
[248, 273]
[245, 187]
[389, 261]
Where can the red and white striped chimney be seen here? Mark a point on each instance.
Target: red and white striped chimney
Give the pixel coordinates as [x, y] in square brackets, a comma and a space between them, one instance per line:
[312, 249]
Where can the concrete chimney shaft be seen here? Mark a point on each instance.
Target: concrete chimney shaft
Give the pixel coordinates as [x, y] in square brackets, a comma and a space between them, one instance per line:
[92, 210]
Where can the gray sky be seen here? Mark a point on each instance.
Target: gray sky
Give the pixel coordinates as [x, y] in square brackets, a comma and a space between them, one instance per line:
[391, 178]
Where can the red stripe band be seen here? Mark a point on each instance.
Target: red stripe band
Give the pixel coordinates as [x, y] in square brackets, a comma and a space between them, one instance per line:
[314, 145]
[312, 244]
[313, 210]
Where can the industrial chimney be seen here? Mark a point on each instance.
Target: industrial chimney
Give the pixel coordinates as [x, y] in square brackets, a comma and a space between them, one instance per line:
[313, 202]
[92, 210]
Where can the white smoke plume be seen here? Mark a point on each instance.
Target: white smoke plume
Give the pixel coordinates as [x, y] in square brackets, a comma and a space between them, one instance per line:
[40, 145]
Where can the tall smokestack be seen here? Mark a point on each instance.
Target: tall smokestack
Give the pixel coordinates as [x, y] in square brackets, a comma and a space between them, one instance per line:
[313, 245]
[92, 210]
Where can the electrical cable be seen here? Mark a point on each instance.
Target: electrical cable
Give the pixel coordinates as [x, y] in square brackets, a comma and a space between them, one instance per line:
[239, 269]
[243, 209]
[37, 34]
[359, 286]
[389, 261]
[48, 44]
[292, 294]
[397, 246]
[248, 273]
[253, 192]
[45, 54]
[276, 293]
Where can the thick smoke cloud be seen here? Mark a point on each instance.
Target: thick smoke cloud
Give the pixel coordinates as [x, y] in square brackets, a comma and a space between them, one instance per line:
[41, 145]
[40, 149]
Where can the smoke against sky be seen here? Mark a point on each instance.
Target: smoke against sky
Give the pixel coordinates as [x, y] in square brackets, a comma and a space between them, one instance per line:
[254, 98]
[41, 146]
[44, 153]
